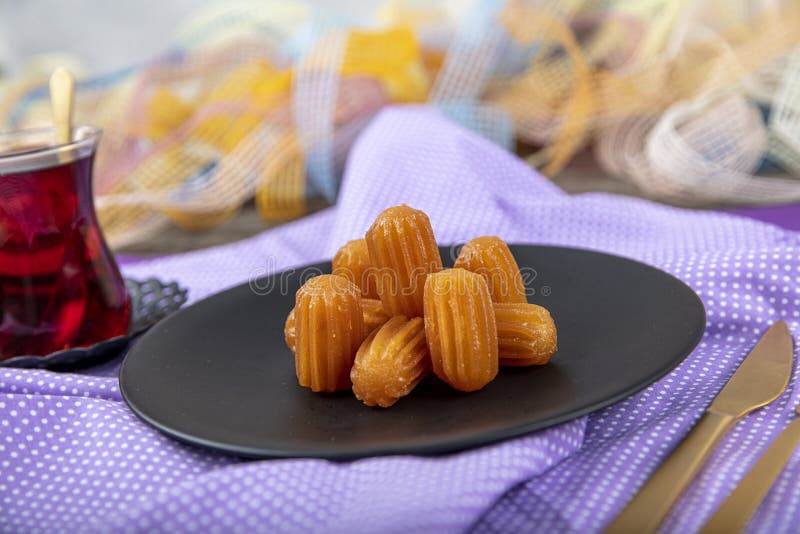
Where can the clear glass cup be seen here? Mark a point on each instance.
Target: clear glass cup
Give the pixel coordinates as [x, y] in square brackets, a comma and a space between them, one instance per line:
[59, 284]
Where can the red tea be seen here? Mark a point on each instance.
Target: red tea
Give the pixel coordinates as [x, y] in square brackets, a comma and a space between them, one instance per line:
[59, 284]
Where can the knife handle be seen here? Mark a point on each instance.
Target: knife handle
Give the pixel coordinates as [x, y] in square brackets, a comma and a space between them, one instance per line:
[738, 508]
[655, 499]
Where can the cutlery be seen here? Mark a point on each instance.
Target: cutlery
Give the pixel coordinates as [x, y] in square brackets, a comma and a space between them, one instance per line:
[760, 379]
[738, 508]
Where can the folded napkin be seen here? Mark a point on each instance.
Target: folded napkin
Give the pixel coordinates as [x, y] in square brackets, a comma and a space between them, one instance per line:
[73, 457]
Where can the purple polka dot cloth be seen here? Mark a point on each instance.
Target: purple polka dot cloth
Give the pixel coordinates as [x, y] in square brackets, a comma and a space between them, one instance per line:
[74, 458]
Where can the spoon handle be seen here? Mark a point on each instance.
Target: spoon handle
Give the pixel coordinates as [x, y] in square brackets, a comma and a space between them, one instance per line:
[62, 95]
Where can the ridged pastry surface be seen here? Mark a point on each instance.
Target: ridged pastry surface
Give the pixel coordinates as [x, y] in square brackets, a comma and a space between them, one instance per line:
[290, 331]
[460, 329]
[526, 334]
[403, 250]
[490, 257]
[329, 328]
[372, 312]
[391, 362]
[352, 262]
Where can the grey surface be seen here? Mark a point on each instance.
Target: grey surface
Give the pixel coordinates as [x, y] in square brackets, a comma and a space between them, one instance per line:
[105, 35]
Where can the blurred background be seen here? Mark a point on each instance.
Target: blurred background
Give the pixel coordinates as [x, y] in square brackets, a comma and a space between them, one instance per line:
[224, 119]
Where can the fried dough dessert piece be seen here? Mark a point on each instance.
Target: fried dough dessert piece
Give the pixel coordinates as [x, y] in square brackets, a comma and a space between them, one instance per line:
[352, 262]
[391, 362]
[490, 257]
[526, 334]
[403, 250]
[460, 329]
[373, 314]
[290, 331]
[329, 328]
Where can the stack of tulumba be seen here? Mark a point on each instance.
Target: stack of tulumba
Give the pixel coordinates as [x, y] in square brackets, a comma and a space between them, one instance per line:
[389, 314]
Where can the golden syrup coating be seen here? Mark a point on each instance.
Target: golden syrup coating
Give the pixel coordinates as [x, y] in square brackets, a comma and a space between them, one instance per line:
[391, 362]
[329, 328]
[373, 314]
[460, 328]
[403, 250]
[290, 331]
[526, 334]
[490, 257]
[352, 262]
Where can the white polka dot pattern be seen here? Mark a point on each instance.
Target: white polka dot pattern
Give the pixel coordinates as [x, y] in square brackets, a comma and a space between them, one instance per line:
[74, 458]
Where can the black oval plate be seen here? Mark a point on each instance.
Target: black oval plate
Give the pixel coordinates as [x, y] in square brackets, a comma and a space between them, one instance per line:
[218, 373]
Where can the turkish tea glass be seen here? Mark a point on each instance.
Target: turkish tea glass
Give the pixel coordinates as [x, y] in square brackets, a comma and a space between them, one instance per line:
[59, 284]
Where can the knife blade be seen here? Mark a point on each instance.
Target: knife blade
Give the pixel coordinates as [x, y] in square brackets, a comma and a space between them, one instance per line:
[760, 379]
[762, 376]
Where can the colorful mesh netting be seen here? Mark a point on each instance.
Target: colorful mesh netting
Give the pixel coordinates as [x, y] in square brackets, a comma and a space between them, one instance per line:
[697, 101]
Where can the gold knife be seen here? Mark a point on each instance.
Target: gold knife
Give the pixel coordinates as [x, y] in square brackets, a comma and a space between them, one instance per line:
[759, 380]
[738, 508]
